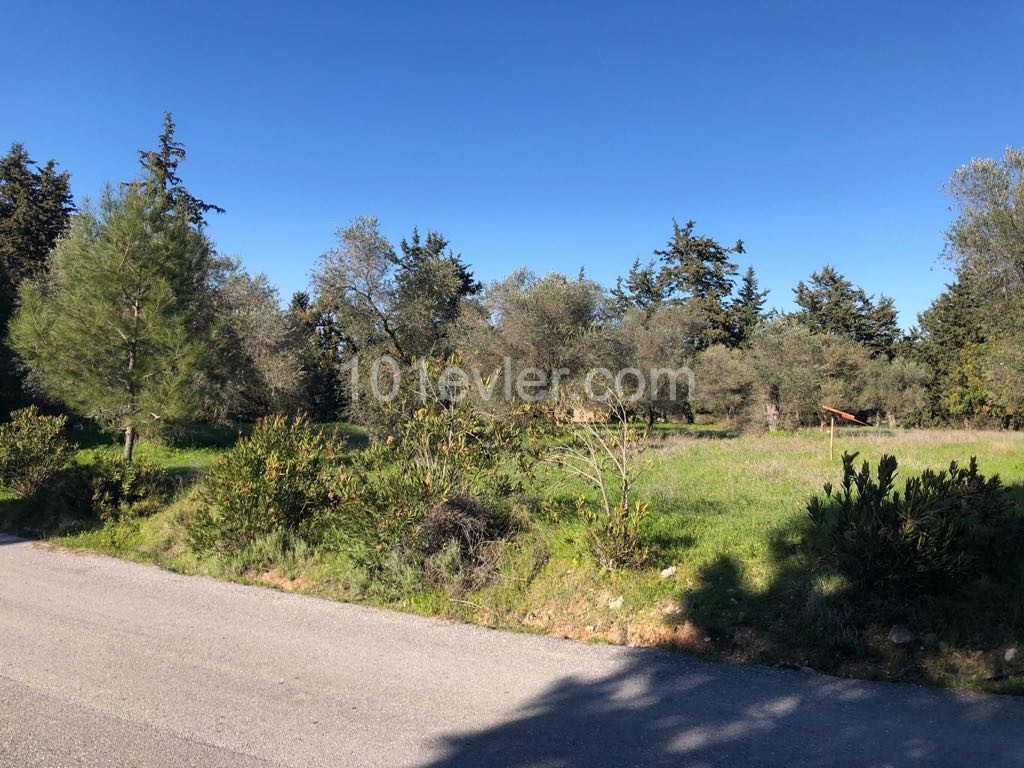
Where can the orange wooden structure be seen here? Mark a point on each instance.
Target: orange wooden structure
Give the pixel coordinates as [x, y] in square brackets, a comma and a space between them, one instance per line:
[833, 412]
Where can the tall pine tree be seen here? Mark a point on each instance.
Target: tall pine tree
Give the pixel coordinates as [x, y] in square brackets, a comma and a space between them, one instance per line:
[117, 326]
[641, 289]
[35, 208]
[160, 174]
[109, 330]
[698, 270]
[831, 304]
[747, 308]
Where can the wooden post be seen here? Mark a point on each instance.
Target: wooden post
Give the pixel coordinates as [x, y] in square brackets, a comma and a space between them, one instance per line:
[832, 439]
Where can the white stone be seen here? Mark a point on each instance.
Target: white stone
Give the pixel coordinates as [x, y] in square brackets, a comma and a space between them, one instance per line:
[900, 635]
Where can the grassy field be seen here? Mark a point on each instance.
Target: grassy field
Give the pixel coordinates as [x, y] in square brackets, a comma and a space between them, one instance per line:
[724, 513]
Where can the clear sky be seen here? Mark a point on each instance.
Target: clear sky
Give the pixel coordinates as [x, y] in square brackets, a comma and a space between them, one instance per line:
[550, 135]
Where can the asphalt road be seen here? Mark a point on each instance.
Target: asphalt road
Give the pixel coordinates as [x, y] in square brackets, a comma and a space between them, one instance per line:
[107, 663]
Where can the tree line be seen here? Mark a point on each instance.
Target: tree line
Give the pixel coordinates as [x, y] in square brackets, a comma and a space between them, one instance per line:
[124, 312]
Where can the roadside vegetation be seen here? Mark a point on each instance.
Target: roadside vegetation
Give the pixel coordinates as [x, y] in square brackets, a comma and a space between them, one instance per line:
[160, 404]
[732, 565]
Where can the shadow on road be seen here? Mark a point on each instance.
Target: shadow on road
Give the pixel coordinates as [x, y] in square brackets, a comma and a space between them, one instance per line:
[667, 710]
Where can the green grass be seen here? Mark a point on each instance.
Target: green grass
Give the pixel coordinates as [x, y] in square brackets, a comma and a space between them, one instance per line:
[723, 512]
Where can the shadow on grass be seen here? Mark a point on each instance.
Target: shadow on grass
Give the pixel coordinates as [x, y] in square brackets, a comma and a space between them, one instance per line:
[657, 709]
[808, 615]
[224, 436]
[38, 518]
[663, 433]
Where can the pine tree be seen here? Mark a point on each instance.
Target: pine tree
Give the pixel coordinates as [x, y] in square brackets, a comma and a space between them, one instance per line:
[431, 281]
[109, 330]
[831, 304]
[160, 168]
[952, 338]
[747, 308]
[698, 270]
[641, 289]
[35, 208]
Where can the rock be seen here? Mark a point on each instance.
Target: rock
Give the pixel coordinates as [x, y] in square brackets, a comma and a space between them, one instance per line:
[900, 635]
[615, 604]
[930, 640]
[668, 572]
[589, 628]
[1010, 655]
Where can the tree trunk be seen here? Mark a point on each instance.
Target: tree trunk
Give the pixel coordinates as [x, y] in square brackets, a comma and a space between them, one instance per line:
[129, 444]
[771, 409]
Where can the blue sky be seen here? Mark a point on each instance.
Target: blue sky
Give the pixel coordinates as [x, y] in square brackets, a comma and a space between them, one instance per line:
[550, 135]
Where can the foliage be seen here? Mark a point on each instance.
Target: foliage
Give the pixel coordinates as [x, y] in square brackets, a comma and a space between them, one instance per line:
[449, 466]
[320, 350]
[831, 304]
[35, 208]
[725, 383]
[747, 309]
[797, 370]
[279, 477]
[641, 289]
[944, 527]
[698, 269]
[898, 390]
[109, 330]
[116, 487]
[549, 323]
[257, 350]
[400, 304]
[660, 344]
[162, 183]
[607, 458]
[33, 449]
[986, 241]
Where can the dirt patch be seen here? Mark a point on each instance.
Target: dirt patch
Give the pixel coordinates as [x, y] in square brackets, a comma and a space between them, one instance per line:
[274, 578]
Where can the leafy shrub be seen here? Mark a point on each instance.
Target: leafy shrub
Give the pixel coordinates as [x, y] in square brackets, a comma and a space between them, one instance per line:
[33, 449]
[609, 459]
[277, 478]
[446, 474]
[616, 538]
[116, 486]
[102, 489]
[945, 526]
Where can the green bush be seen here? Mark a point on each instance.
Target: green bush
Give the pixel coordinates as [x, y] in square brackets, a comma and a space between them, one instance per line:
[944, 527]
[33, 449]
[438, 486]
[116, 487]
[277, 478]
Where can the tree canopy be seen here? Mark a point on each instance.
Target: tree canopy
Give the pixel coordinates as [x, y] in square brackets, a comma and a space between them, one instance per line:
[109, 329]
[829, 303]
[35, 208]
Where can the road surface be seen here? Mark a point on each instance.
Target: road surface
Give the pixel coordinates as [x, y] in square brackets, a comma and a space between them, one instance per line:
[108, 663]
